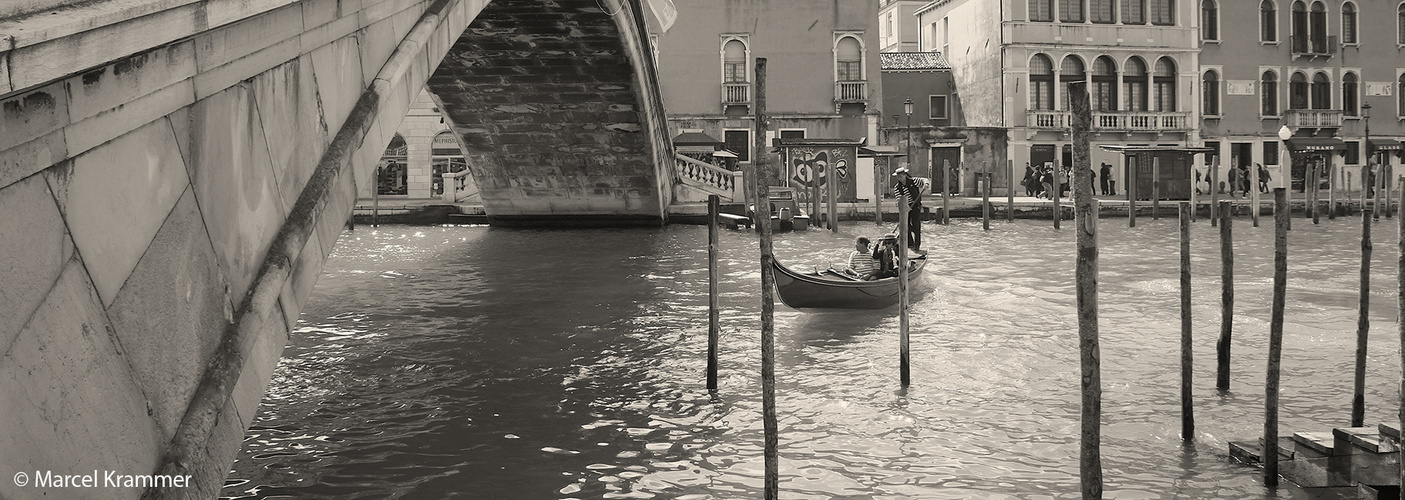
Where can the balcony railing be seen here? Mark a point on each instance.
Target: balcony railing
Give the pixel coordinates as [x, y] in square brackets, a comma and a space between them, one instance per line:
[1312, 47]
[1115, 121]
[855, 91]
[1313, 118]
[736, 93]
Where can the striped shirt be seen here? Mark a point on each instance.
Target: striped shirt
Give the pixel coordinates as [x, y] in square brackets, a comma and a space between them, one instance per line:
[862, 263]
[912, 189]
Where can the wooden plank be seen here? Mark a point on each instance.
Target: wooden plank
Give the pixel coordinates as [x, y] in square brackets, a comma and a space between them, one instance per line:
[1320, 442]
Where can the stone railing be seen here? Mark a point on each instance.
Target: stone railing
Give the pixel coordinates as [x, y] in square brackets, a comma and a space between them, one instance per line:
[1114, 121]
[736, 93]
[709, 178]
[854, 91]
[1313, 118]
[455, 183]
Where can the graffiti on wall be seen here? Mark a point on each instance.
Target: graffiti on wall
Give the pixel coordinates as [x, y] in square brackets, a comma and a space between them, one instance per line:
[809, 167]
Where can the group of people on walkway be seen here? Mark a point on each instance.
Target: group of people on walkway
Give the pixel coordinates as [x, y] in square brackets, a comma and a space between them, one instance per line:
[1239, 180]
[1040, 181]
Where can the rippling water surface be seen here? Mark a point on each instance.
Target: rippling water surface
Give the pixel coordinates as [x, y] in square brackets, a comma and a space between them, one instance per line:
[491, 363]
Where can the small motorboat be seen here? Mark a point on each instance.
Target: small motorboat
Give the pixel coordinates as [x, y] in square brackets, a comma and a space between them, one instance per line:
[836, 290]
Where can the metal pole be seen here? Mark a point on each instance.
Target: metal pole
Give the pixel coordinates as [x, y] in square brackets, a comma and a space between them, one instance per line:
[713, 329]
[1275, 336]
[1086, 275]
[1363, 324]
[1187, 356]
[770, 428]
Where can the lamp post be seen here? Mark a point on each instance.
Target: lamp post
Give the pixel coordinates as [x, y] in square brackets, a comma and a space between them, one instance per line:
[907, 109]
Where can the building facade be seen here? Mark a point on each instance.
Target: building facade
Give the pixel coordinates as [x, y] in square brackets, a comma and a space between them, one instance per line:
[1138, 59]
[822, 70]
[898, 30]
[422, 149]
[1313, 66]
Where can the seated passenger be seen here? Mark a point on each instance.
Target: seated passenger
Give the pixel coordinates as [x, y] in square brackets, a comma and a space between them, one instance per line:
[861, 262]
[885, 253]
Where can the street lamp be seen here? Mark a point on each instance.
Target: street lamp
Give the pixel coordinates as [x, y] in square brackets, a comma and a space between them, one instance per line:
[907, 109]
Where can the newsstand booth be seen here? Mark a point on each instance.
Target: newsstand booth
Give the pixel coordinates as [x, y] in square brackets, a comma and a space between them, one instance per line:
[1172, 165]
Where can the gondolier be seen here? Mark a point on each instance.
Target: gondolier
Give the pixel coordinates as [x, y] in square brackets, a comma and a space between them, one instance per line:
[909, 187]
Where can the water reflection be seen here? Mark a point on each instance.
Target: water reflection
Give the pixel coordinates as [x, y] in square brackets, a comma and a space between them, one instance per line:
[486, 363]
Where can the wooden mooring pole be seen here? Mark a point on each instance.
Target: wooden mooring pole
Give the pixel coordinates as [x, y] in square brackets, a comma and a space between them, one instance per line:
[1222, 347]
[985, 201]
[713, 203]
[1275, 336]
[1400, 304]
[1010, 192]
[1254, 193]
[946, 192]
[878, 176]
[1058, 188]
[1187, 357]
[1131, 189]
[1332, 192]
[1086, 275]
[831, 195]
[376, 199]
[904, 373]
[1215, 191]
[1314, 200]
[1363, 324]
[1155, 188]
[770, 429]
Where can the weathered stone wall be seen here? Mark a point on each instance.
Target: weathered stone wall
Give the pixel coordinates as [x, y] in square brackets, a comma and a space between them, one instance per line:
[554, 116]
[164, 216]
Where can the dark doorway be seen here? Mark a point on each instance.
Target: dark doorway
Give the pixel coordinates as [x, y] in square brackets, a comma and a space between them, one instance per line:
[946, 156]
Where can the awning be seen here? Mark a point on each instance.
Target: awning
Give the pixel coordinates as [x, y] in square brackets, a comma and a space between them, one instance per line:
[1117, 148]
[880, 150]
[695, 139]
[723, 154]
[1386, 144]
[1298, 144]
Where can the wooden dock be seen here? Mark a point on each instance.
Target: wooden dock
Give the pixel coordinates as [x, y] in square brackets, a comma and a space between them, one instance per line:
[1347, 462]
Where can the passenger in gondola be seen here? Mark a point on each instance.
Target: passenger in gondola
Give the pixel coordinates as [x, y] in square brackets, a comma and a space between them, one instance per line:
[885, 255]
[862, 265]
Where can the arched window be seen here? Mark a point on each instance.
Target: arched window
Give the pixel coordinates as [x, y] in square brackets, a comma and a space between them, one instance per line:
[1209, 20]
[849, 60]
[1400, 95]
[1210, 93]
[1104, 91]
[734, 62]
[1350, 94]
[1319, 27]
[1163, 12]
[1041, 10]
[1134, 85]
[1071, 11]
[1100, 11]
[1297, 91]
[1133, 11]
[1349, 22]
[1268, 21]
[1041, 83]
[1164, 79]
[1321, 91]
[1268, 89]
[1299, 26]
[1071, 70]
[1400, 26]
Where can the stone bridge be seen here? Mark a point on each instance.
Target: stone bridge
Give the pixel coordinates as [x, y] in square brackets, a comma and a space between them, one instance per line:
[174, 172]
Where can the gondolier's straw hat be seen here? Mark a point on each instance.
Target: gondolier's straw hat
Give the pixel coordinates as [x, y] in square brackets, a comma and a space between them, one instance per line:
[900, 170]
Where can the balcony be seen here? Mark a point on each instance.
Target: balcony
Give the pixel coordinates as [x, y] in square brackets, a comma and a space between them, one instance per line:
[852, 91]
[1313, 47]
[1115, 121]
[734, 94]
[1313, 118]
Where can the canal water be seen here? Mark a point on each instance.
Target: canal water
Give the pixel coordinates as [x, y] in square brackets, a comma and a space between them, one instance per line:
[474, 362]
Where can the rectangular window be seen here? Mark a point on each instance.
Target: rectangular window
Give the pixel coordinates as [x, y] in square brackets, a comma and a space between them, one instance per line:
[1071, 11]
[739, 142]
[849, 71]
[1101, 11]
[793, 134]
[938, 106]
[1353, 153]
[1133, 11]
[734, 72]
[1161, 12]
[1041, 10]
[1270, 152]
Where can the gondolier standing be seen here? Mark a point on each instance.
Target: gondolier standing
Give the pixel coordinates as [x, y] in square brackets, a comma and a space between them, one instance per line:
[907, 186]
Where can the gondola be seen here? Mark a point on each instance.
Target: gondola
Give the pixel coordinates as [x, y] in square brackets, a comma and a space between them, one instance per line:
[832, 289]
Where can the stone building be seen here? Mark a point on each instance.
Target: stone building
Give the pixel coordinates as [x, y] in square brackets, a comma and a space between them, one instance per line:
[1012, 59]
[897, 26]
[1310, 65]
[822, 79]
[422, 149]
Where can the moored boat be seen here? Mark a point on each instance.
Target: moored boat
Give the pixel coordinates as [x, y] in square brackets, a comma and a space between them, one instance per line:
[831, 289]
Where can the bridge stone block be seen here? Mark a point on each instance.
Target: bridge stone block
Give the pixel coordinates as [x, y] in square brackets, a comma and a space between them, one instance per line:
[338, 209]
[247, 36]
[287, 104]
[29, 265]
[261, 355]
[337, 94]
[26, 159]
[129, 79]
[31, 115]
[306, 269]
[111, 227]
[215, 80]
[70, 401]
[107, 125]
[234, 183]
[171, 313]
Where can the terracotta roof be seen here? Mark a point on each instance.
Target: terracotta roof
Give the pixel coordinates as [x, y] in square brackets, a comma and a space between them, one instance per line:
[913, 61]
